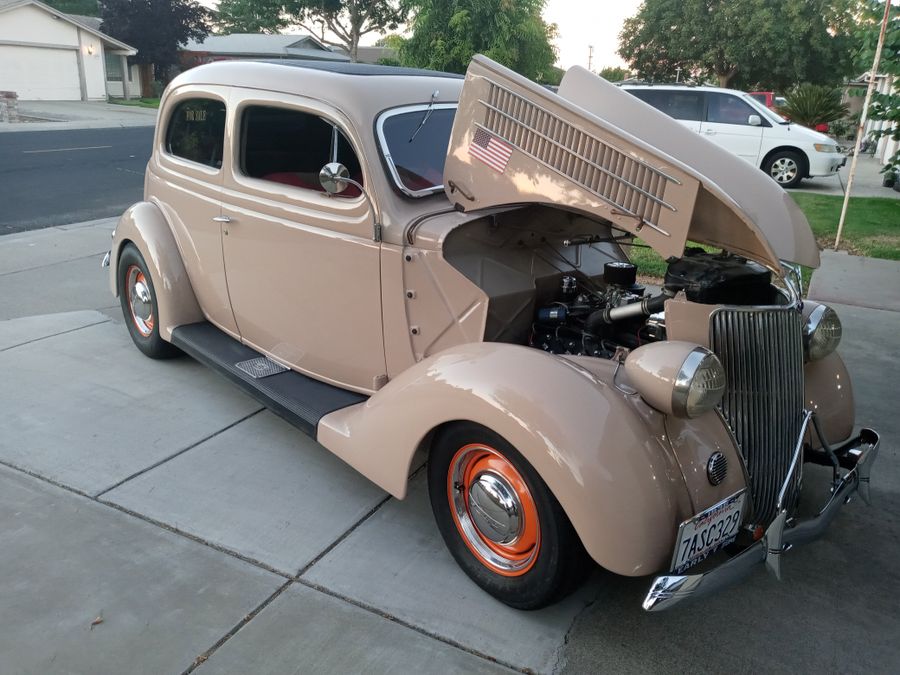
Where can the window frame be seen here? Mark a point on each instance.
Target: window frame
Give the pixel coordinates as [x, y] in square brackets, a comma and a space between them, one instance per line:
[189, 97]
[238, 171]
[386, 155]
[741, 99]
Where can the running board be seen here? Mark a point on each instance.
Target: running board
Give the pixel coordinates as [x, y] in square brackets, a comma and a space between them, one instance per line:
[299, 399]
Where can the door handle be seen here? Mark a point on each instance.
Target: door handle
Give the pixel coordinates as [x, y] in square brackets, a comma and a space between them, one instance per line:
[221, 219]
[709, 132]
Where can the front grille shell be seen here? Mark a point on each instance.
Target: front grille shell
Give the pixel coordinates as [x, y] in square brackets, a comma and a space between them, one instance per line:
[761, 349]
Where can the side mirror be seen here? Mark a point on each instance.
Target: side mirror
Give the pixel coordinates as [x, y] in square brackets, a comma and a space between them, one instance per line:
[754, 121]
[334, 178]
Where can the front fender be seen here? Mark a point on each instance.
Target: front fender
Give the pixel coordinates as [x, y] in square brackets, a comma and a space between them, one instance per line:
[144, 225]
[602, 453]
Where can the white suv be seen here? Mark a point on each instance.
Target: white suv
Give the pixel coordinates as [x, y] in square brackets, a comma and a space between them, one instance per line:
[734, 120]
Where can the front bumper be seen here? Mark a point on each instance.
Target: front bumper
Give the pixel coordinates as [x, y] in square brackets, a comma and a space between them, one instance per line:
[856, 456]
[825, 163]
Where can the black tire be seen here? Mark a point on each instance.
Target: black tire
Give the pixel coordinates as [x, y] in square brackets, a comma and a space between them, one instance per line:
[558, 563]
[143, 327]
[785, 167]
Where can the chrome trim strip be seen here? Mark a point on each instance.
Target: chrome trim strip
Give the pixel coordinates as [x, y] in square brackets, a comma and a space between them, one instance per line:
[383, 146]
[761, 349]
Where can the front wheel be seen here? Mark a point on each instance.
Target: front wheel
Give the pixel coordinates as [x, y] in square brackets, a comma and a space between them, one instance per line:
[138, 299]
[786, 168]
[500, 521]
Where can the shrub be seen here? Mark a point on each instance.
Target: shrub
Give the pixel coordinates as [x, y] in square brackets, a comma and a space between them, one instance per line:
[812, 104]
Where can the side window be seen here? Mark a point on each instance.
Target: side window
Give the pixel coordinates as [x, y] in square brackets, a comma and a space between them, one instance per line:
[290, 147]
[682, 105]
[197, 131]
[728, 109]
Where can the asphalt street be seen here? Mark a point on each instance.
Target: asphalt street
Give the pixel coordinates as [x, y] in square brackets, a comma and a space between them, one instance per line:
[59, 177]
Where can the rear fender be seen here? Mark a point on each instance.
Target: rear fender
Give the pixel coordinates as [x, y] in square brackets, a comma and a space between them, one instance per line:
[144, 225]
[601, 452]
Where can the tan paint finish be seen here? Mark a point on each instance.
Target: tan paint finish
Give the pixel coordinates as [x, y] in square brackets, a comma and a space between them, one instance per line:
[593, 446]
[739, 207]
[528, 179]
[688, 321]
[144, 226]
[653, 369]
[828, 392]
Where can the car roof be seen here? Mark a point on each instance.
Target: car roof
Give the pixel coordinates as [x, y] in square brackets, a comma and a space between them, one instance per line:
[683, 87]
[362, 69]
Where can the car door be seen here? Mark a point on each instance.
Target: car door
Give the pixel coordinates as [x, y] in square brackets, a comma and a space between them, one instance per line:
[302, 267]
[728, 124]
[184, 178]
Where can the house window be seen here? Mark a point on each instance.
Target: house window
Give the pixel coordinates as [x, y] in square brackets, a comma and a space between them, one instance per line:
[197, 131]
[291, 147]
[113, 67]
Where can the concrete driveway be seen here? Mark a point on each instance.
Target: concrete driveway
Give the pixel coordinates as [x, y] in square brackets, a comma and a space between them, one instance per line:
[156, 520]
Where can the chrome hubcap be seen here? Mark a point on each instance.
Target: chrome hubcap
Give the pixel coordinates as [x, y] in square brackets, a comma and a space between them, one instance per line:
[140, 300]
[495, 508]
[784, 169]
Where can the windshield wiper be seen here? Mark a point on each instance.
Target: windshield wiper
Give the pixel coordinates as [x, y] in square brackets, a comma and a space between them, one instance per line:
[428, 112]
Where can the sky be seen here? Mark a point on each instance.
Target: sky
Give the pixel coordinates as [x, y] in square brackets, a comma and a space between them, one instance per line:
[582, 24]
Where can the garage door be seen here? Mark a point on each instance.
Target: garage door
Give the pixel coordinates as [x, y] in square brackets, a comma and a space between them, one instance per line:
[37, 73]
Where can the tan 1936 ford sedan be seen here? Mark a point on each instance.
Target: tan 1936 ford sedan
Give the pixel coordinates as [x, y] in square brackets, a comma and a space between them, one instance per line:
[402, 262]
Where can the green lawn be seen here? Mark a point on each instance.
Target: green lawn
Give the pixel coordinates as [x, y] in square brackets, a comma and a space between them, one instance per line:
[139, 102]
[872, 229]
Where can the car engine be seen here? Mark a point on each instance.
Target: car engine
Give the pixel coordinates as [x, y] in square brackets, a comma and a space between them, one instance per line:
[593, 318]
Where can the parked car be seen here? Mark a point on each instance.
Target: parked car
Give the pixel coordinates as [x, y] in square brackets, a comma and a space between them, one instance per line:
[769, 98]
[402, 263]
[742, 125]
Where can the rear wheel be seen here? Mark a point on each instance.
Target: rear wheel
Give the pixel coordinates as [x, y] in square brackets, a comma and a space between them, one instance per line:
[786, 168]
[500, 521]
[138, 299]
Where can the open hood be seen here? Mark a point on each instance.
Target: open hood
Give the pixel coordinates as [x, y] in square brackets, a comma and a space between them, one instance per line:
[596, 149]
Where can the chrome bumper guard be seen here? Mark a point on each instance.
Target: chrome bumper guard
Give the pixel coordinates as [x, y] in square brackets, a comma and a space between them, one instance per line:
[856, 456]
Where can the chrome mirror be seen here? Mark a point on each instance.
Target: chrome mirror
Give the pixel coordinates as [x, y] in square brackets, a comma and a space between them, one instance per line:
[754, 120]
[334, 178]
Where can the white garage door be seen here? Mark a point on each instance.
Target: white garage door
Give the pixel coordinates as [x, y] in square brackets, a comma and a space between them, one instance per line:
[37, 73]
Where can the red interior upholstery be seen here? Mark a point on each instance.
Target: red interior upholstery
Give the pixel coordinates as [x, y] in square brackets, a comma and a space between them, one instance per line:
[297, 180]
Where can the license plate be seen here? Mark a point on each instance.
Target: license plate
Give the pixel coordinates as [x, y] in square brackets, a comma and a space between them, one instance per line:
[707, 532]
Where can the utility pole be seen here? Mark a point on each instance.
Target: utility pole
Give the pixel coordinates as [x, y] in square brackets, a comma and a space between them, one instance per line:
[860, 132]
[677, 74]
[590, 56]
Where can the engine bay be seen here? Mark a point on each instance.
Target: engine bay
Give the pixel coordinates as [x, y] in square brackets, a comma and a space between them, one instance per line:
[588, 318]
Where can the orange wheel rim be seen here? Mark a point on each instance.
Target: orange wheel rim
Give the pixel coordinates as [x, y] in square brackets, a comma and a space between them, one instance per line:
[493, 510]
[140, 301]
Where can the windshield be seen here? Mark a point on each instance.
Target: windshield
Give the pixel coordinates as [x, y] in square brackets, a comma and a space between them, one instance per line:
[770, 114]
[414, 152]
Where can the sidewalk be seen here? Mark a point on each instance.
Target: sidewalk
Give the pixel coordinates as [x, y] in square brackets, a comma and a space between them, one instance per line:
[858, 281]
[204, 532]
[61, 115]
[866, 183]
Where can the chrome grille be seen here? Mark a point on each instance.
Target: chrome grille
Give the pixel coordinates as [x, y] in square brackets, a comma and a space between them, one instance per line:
[762, 352]
[618, 178]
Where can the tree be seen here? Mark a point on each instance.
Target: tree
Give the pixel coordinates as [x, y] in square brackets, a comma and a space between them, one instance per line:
[885, 106]
[155, 28]
[251, 16]
[770, 44]
[613, 73]
[349, 20]
[447, 33]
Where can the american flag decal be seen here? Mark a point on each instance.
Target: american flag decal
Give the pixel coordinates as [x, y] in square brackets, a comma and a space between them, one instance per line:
[490, 150]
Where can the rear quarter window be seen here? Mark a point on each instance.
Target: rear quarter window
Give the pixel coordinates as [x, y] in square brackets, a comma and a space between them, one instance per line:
[196, 131]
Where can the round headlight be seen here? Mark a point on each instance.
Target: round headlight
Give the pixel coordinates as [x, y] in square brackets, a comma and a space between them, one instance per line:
[822, 332]
[699, 385]
[677, 378]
